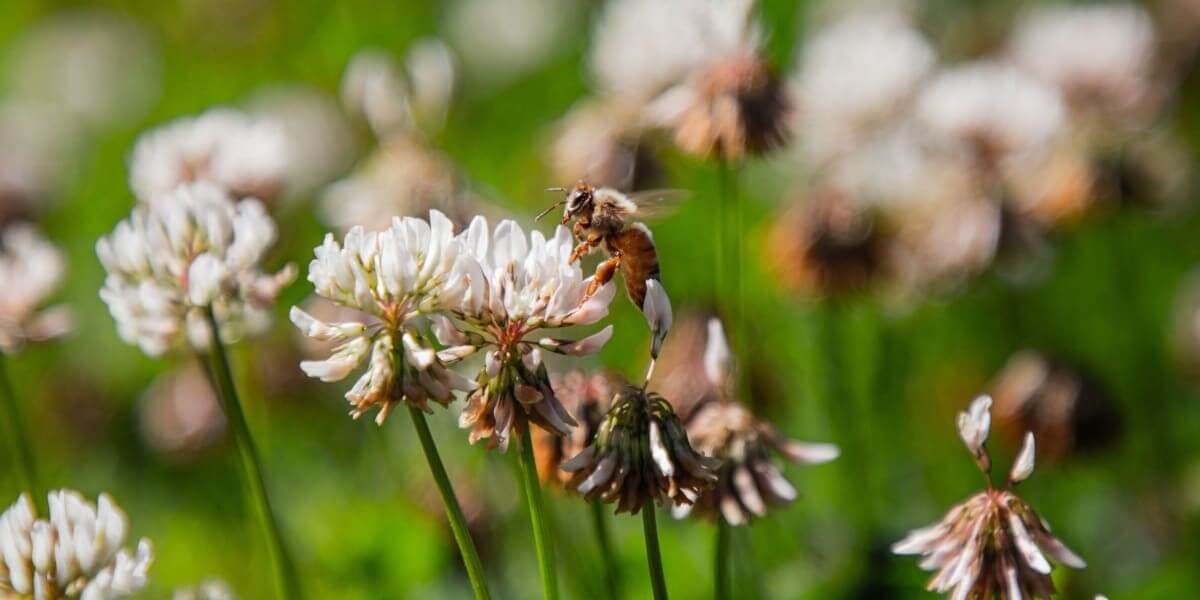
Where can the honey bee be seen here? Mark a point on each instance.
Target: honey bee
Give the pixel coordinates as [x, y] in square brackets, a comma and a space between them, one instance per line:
[603, 219]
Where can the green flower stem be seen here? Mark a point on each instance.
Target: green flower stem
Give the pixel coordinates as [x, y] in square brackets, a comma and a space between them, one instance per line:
[538, 517]
[19, 448]
[721, 560]
[454, 513]
[287, 585]
[658, 582]
[612, 574]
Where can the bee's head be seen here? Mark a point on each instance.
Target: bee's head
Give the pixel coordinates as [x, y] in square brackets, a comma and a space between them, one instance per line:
[577, 201]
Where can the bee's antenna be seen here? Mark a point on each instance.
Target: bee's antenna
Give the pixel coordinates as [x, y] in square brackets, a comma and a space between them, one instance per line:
[547, 211]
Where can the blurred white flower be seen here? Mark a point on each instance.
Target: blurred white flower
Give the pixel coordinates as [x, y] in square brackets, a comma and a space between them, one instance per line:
[394, 276]
[320, 143]
[598, 142]
[994, 110]
[855, 74]
[97, 68]
[993, 544]
[245, 155]
[1101, 56]
[75, 554]
[515, 287]
[396, 100]
[180, 415]
[38, 147]
[172, 259]
[403, 177]
[210, 589]
[680, 35]
[500, 40]
[31, 268]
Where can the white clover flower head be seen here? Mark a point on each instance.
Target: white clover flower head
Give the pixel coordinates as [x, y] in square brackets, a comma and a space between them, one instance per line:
[169, 261]
[243, 154]
[396, 277]
[514, 287]
[859, 71]
[681, 35]
[993, 543]
[995, 110]
[31, 268]
[1100, 56]
[77, 553]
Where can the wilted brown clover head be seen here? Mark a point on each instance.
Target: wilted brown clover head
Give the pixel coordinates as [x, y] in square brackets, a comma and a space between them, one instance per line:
[641, 453]
[994, 543]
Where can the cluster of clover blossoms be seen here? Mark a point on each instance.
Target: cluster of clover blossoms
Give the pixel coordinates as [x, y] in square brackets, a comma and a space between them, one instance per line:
[478, 290]
[77, 553]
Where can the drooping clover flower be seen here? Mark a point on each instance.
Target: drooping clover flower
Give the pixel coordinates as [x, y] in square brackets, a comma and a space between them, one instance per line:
[993, 543]
[243, 154]
[515, 287]
[731, 102]
[586, 398]
[641, 454]
[394, 277]
[725, 429]
[77, 553]
[31, 268]
[171, 260]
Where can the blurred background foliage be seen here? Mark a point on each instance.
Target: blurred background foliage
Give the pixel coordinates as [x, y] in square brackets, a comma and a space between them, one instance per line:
[882, 383]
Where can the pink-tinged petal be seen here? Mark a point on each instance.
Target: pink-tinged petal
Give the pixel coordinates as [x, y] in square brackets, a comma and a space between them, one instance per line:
[805, 453]
[583, 347]
[975, 422]
[1029, 550]
[595, 307]
[1023, 466]
[445, 331]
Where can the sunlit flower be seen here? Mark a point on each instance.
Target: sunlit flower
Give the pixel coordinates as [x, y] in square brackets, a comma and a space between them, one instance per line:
[641, 454]
[31, 268]
[1100, 56]
[855, 74]
[994, 110]
[75, 554]
[242, 154]
[171, 260]
[515, 287]
[722, 428]
[586, 398]
[993, 543]
[394, 277]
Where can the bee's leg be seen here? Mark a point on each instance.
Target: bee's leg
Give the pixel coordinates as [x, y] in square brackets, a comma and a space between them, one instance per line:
[604, 274]
[579, 251]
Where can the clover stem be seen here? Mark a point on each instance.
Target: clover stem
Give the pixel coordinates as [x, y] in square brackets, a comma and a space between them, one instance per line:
[538, 517]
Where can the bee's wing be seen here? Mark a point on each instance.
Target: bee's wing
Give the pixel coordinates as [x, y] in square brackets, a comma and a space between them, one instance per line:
[655, 204]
